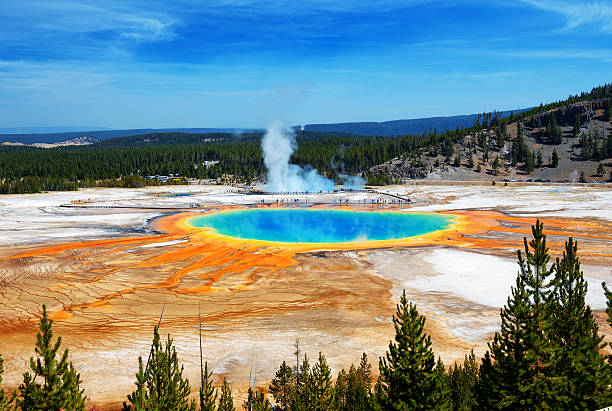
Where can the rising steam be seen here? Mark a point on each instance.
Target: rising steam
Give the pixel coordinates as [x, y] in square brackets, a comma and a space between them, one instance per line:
[277, 145]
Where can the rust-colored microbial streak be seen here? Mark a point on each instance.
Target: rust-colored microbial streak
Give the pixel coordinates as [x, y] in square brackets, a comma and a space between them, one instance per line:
[213, 256]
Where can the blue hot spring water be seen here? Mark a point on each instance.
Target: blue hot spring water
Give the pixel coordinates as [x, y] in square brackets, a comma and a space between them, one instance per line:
[321, 226]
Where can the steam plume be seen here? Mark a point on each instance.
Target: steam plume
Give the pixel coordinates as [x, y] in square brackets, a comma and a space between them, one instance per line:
[277, 145]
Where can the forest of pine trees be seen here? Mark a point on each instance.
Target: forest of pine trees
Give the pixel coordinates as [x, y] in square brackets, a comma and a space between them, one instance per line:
[547, 355]
[128, 161]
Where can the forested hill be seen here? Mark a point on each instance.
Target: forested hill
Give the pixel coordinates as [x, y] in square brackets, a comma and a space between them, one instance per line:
[549, 142]
[154, 139]
[386, 128]
[401, 127]
[56, 137]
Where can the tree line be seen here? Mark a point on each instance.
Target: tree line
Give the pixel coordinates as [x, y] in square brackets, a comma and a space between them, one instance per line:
[547, 355]
[240, 156]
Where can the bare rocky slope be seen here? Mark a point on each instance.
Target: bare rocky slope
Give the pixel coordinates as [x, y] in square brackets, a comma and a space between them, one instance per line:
[582, 155]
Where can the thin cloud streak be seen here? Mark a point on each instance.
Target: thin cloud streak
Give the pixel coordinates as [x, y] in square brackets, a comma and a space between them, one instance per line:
[597, 14]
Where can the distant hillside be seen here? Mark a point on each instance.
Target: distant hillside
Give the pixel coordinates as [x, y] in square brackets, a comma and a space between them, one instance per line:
[51, 138]
[565, 141]
[402, 127]
[386, 128]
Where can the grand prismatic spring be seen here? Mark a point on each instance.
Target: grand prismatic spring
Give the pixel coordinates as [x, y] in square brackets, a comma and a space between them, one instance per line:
[321, 226]
[268, 270]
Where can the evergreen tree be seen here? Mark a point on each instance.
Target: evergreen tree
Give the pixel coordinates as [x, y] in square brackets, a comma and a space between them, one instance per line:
[281, 387]
[304, 387]
[6, 400]
[535, 383]
[256, 401]
[539, 159]
[600, 169]
[488, 384]
[554, 159]
[160, 385]
[60, 388]
[322, 388]
[208, 393]
[581, 377]
[407, 378]
[352, 389]
[523, 372]
[608, 294]
[576, 129]
[496, 166]
[501, 371]
[608, 111]
[443, 389]
[226, 402]
[463, 381]
[501, 140]
[529, 163]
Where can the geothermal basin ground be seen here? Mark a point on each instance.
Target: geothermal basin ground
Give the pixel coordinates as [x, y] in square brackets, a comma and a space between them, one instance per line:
[106, 261]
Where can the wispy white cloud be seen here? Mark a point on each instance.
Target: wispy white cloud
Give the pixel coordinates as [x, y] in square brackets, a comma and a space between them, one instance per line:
[27, 19]
[597, 14]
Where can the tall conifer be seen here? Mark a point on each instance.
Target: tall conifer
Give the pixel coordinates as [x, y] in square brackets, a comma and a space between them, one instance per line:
[60, 387]
[322, 388]
[281, 387]
[535, 384]
[208, 393]
[444, 400]
[160, 385]
[463, 380]
[407, 378]
[501, 372]
[581, 377]
[226, 401]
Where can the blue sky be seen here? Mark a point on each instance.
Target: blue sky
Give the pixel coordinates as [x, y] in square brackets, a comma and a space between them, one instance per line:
[243, 63]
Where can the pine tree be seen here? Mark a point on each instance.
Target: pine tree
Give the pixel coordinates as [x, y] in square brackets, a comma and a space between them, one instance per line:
[600, 169]
[208, 393]
[608, 111]
[582, 378]
[457, 162]
[523, 372]
[608, 294]
[555, 159]
[352, 389]
[60, 388]
[160, 385]
[576, 129]
[256, 401]
[529, 162]
[444, 400]
[488, 384]
[226, 402]
[496, 166]
[304, 388]
[6, 400]
[502, 369]
[281, 387]
[407, 378]
[535, 384]
[323, 392]
[463, 381]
